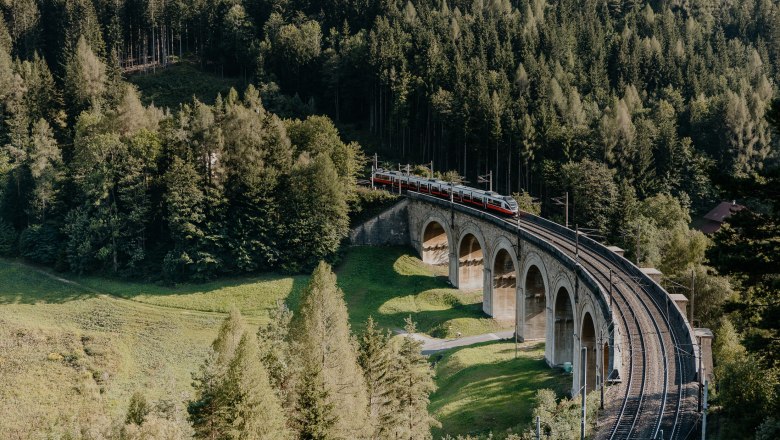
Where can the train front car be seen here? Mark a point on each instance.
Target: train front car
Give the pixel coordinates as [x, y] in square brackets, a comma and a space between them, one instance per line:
[513, 207]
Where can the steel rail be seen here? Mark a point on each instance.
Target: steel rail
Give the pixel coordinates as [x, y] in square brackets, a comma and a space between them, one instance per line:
[680, 370]
[626, 422]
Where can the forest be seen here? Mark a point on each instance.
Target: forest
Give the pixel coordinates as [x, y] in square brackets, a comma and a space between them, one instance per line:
[647, 113]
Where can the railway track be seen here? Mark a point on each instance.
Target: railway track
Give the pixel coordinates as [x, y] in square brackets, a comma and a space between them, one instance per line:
[656, 398]
[642, 379]
[654, 387]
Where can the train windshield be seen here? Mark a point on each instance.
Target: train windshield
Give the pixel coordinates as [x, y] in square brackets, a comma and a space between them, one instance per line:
[511, 202]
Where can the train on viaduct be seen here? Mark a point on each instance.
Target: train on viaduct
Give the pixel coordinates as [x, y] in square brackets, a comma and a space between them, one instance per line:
[585, 300]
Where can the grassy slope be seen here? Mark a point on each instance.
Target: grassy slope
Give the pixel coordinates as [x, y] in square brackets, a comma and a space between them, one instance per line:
[484, 388]
[83, 348]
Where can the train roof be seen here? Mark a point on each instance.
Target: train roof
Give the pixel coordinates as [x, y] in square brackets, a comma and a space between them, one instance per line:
[439, 181]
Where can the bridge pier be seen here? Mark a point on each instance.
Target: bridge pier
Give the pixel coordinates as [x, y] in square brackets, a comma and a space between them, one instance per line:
[487, 291]
[524, 279]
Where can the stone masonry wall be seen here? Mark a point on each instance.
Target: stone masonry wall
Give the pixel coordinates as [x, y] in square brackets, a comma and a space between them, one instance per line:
[390, 228]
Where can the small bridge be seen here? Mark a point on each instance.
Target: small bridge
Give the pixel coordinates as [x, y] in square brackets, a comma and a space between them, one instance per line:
[575, 294]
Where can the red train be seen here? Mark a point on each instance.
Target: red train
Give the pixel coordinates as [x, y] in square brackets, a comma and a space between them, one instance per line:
[486, 200]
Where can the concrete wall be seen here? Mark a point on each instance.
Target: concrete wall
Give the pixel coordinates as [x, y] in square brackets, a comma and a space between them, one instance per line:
[390, 228]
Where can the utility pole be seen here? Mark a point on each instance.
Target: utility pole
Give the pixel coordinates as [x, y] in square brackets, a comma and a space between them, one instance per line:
[431, 169]
[693, 292]
[610, 289]
[566, 214]
[704, 415]
[701, 375]
[584, 390]
[373, 170]
[517, 323]
[538, 429]
[600, 380]
[577, 243]
[638, 234]
[399, 180]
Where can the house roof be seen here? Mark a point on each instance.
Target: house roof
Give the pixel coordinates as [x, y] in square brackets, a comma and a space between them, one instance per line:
[723, 211]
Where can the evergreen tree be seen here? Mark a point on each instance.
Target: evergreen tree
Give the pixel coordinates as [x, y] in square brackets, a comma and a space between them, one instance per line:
[254, 410]
[592, 189]
[412, 386]
[322, 336]
[210, 411]
[315, 412]
[184, 216]
[85, 78]
[316, 212]
[45, 166]
[376, 356]
[137, 410]
[275, 354]
[257, 155]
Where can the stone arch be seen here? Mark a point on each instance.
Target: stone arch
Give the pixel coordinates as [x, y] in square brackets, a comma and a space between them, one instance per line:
[535, 287]
[504, 283]
[471, 259]
[435, 239]
[563, 332]
[588, 341]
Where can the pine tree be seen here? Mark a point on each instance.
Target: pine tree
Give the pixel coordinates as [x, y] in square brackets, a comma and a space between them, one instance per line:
[137, 410]
[85, 78]
[254, 410]
[376, 355]
[412, 385]
[321, 333]
[44, 162]
[275, 354]
[209, 412]
[257, 153]
[315, 412]
[184, 216]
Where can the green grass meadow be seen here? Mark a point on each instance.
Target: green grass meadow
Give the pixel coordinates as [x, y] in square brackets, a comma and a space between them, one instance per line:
[73, 349]
[484, 388]
[391, 284]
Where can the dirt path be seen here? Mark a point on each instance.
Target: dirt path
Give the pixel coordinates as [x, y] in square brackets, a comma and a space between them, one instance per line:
[432, 345]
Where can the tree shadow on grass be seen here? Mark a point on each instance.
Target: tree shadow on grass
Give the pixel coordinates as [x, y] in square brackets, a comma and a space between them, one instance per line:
[492, 395]
[389, 284]
[26, 284]
[22, 284]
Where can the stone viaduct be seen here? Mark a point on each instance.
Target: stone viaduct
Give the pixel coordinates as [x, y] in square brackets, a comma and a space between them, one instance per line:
[524, 280]
[557, 286]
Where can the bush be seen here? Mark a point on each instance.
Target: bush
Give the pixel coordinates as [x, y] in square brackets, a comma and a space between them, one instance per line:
[39, 244]
[769, 429]
[7, 239]
[369, 203]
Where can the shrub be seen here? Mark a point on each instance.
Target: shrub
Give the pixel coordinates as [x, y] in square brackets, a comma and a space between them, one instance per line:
[39, 244]
[7, 239]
